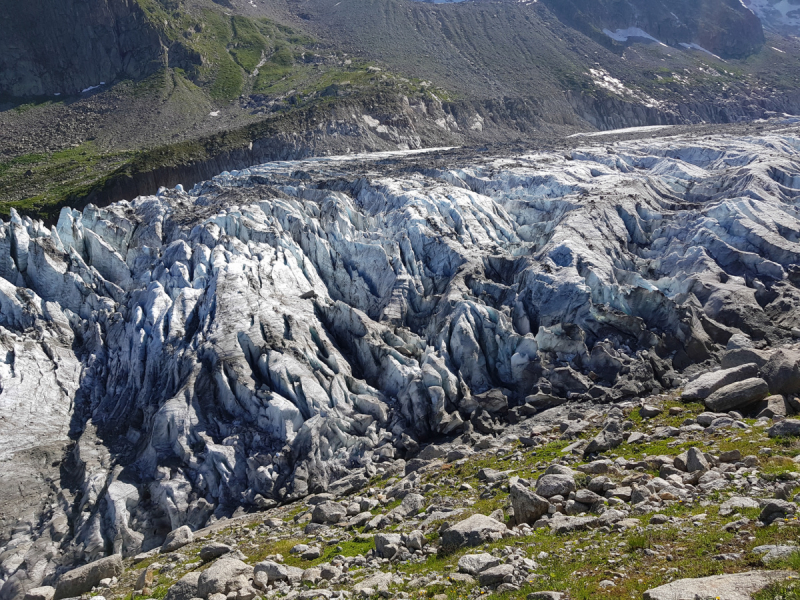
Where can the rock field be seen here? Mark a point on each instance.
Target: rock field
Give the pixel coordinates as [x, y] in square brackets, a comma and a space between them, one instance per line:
[552, 375]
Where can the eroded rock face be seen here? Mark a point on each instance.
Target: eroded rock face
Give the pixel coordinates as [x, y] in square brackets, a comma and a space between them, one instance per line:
[295, 328]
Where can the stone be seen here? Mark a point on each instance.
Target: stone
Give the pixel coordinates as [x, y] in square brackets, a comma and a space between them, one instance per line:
[782, 372]
[738, 394]
[214, 579]
[696, 461]
[611, 436]
[528, 506]
[773, 553]
[475, 563]
[702, 387]
[415, 540]
[387, 544]
[40, 593]
[737, 586]
[648, 411]
[328, 512]
[561, 524]
[473, 531]
[177, 538]
[213, 550]
[735, 503]
[776, 509]
[555, 485]
[379, 582]
[545, 596]
[496, 575]
[786, 428]
[730, 456]
[773, 406]
[185, 588]
[83, 579]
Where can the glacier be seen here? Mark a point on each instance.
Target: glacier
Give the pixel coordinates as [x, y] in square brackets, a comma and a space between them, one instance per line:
[301, 327]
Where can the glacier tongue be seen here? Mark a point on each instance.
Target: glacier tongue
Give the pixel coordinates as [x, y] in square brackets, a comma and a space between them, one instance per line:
[296, 326]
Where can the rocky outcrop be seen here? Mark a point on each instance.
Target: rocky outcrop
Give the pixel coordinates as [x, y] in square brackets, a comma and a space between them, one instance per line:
[295, 328]
[64, 47]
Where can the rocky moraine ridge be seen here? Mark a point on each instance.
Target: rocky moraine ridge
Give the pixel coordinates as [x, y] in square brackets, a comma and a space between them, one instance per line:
[326, 340]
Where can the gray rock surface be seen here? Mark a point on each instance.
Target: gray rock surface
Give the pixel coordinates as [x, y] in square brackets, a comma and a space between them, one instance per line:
[738, 394]
[737, 586]
[473, 531]
[177, 538]
[706, 384]
[83, 579]
[528, 506]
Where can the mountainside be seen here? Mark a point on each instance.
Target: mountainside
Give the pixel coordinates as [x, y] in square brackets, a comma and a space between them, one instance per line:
[62, 47]
[294, 328]
[198, 82]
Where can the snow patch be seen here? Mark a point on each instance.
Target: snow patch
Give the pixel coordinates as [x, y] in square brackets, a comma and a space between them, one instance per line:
[777, 50]
[623, 35]
[624, 130]
[214, 113]
[694, 46]
[92, 87]
[782, 16]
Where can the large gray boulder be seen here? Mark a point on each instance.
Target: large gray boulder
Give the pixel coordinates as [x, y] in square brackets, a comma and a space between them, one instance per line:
[528, 505]
[555, 485]
[328, 512]
[83, 579]
[496, 575]
[611, 436]
[473, 531]
[387, 544]
[786, 428]
[706, 384]
[214, 579]
[782, 372]
[738, 394]
[736, 586]
[185, 588]
[177, 539]
[472, 564]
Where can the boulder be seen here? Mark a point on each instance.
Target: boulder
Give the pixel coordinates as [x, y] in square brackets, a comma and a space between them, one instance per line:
[475, 563]
[731, 505]
[611, 436]
[83, 579]
[555, 485]
[215, 579]
[387, 544]
[268, 571]
[40, 593]
[736, 586]
[185, 588]
[496, 575]
[706, 384]
[213, 550]
[738, 394]
[696, 460]
[773, 406]
[528, 506]
[787, 428]
[177, 539]
[328, 512]
[379, 582]
[473, 531]
[776, 509]
[782, 372]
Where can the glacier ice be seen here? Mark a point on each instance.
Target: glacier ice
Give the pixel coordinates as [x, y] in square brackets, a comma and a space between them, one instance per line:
[275, 330]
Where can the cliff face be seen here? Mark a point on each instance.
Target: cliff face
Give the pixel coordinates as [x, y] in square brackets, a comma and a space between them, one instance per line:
[724, 27]
[65, 46]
